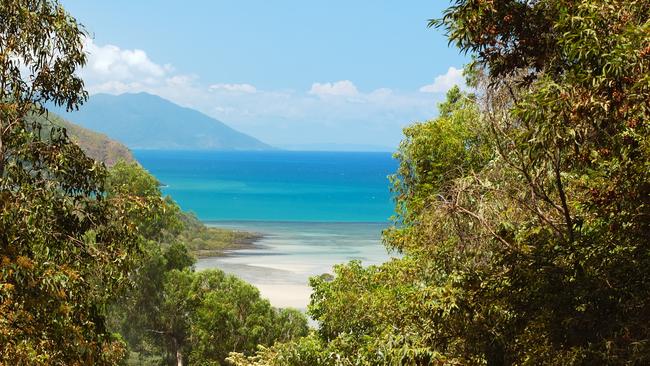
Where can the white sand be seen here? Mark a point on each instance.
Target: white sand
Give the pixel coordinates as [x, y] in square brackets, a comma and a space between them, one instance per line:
[286, 296]
[288, 267]
[282, 261]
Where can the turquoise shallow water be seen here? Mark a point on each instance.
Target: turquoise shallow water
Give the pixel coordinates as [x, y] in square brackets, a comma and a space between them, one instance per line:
[314, 210]
[276, 185]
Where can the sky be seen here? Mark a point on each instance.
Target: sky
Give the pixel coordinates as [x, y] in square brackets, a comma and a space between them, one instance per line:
[291, 73]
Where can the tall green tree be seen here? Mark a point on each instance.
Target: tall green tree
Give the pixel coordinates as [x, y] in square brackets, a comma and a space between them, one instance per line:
[65, 248]
[567, 88]
[536, 249]
[408, 310]
[158, 218]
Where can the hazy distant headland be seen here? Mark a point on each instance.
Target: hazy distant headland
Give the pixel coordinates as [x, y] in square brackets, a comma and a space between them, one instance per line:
[145, 121]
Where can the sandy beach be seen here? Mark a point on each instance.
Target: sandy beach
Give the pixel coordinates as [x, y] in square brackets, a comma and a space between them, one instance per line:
[280, 263]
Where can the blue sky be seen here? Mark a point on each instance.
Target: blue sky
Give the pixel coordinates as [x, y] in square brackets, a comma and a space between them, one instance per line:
[288, 72]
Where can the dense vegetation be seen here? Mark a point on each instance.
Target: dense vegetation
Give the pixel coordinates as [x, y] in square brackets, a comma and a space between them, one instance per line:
[95, 145]
[167, 219]
[206, 241]
[172, 314]
[523, 210]
[64, 247]
[522, 216]
[92, 261]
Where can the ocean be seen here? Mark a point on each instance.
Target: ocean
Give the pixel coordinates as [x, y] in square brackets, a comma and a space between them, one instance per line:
[276, 185]
[314, 209]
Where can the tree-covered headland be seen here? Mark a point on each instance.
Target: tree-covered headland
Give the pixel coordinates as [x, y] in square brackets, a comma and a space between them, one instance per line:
[522, 211]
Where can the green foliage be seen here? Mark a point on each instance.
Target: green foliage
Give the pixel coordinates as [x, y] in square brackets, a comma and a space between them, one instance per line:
[394, 313]
[573, 140]
[161, 219]
[172, 314]
[523, 216]
[433, 154]
[157, 217]
[231, 316]
[205, 241]
[525, 224]
[305, 351]
[199, 317]
[65, 248]
[140, 311]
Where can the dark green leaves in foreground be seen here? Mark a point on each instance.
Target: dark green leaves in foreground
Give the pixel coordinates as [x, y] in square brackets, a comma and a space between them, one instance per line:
[65, 249]
[85, 252]
[177, 315]
[523, 216]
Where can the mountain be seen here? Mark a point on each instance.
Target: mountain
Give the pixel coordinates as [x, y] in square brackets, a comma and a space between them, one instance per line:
[96, 145]
[145, 121]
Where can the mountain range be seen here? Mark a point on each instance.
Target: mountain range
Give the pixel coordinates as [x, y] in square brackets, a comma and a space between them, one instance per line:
[145, 121]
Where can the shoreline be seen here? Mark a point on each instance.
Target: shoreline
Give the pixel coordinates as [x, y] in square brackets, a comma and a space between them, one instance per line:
[282, 257]
[249, 242]
[219, 223]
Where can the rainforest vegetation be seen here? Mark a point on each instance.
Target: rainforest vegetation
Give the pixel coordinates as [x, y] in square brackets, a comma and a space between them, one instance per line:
[94, 265]
[522, 216]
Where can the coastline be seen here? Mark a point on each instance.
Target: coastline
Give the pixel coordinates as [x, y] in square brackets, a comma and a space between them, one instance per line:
[248, 242]
[282, 256]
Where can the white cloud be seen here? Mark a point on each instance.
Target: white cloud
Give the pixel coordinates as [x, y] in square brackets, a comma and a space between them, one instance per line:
[343, 88]
[117, 87]
[238, 88]
[381, 93]
[444, 82]
[181, 81]
[118, 64]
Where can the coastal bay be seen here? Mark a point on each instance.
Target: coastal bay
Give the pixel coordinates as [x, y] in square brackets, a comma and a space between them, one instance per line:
[305, 211]
[281, 261]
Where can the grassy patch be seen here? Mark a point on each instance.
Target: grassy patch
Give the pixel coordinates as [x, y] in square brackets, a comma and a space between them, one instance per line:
[204, 241]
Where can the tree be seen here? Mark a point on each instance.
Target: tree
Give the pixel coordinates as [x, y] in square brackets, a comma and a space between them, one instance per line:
[137, 314]
[537, 251]
[171, 314]
[406, 310]
[158, 218]
[198, 318]
[567, 92]
[65, 248]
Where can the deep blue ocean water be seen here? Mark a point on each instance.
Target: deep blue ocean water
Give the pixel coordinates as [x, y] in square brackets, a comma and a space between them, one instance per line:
[276, 185]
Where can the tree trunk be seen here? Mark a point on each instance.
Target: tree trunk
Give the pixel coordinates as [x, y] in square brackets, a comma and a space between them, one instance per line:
[495, 355]
[179, 357]
[179, 354]
[2, 155]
